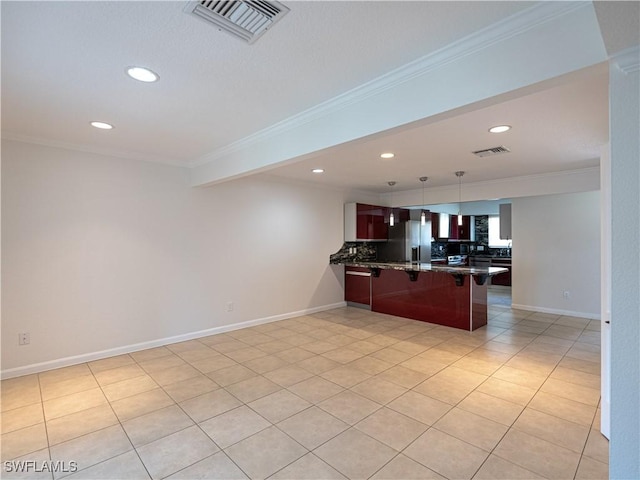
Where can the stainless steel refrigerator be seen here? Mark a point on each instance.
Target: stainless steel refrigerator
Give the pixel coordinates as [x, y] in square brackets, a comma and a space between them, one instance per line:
[409, 241]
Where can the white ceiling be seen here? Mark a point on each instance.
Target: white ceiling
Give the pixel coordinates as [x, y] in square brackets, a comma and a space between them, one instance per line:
[63, 66]
[555, 128]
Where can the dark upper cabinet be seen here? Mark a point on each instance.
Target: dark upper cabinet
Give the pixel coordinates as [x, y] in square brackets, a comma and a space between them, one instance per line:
[435, 225]
[363, 222]
[372, 222]
[460, 232]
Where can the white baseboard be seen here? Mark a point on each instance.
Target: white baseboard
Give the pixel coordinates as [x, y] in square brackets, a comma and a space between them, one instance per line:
[90, 357]
[556, 311]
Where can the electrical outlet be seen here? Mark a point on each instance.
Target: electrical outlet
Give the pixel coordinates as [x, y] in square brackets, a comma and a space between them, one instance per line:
[229, 306]
[566, 294]
[24, 338]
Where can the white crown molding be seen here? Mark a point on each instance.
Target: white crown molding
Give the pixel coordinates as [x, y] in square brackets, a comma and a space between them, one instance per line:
[628, 60]
[498, 32]
[90, 149]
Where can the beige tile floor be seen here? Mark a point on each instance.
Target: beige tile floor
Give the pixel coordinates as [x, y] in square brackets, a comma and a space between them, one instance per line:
[340, 394]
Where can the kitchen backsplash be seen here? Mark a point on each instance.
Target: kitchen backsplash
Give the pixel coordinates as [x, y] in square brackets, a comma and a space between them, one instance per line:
[482, 229]
[355, 252]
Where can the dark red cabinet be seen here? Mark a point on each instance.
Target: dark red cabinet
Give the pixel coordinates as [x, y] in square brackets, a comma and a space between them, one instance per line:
[459, 232]
[357, 285]
[501, 278]
[435, 225]
[372, 222]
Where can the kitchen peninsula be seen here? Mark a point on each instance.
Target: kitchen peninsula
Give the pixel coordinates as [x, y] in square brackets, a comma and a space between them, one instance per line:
[453, 296]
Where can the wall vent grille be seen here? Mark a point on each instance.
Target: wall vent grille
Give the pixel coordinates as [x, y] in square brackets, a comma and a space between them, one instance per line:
[487, 152]
[246, 19]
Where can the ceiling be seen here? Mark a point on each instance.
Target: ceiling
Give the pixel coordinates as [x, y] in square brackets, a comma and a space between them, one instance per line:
[556, 128]
[63, 65]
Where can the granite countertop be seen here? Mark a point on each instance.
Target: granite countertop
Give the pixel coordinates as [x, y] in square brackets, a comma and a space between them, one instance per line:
[428, 267]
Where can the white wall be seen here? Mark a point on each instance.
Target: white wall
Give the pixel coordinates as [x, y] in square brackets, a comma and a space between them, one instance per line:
[556, 242]
[100, 253]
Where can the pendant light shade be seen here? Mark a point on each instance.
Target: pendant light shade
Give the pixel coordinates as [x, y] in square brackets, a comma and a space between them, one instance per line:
[392, 220]
[459, 174]
[423, 215]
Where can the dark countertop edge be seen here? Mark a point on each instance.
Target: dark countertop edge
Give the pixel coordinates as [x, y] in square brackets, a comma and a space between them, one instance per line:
[428, 267]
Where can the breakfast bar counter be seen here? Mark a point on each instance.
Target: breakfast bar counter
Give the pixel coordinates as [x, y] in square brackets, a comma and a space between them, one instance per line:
[455, 296]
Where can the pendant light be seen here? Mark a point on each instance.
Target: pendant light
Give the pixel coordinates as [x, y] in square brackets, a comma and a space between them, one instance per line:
[392, 220]
[423, 215]
[459, 174]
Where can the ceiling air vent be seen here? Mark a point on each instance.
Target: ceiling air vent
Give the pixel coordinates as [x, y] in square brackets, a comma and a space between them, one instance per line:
[487, 152]
[247, 19]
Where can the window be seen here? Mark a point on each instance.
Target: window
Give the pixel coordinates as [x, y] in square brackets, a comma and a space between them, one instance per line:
[443, 230]
[494, 233]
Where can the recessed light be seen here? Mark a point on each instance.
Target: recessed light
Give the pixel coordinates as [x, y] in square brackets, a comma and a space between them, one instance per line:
[318, 170]
[102, 125]
[500, 128]
[142, 74]
[387, 155]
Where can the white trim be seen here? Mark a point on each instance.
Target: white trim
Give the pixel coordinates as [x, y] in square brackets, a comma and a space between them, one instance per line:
[485, 38]
[556, 311]
[628, 60]
[89, 357]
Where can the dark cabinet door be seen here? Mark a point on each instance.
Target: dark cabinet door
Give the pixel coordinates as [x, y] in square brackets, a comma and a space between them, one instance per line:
[459, 232]
[464, 230]
[501, 278]
[435, 225]
[372, 222]
[357, 285]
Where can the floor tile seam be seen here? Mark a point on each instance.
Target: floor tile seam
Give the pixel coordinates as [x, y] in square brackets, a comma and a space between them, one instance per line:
[402, 452]
[540, 474]
[4, 412]
[222, 452]
[101, 461]
[355, 425]
[193, 422]
[310, 452]
[119, 422]
[42, 396]
[306, 450]
[46, 431]
[564, 418]
[376, 401]
[166, 436]
[512, 427]
[311, 404]
[349, 427]
[239, 399]
[594, 459]
[344, 421]
[199, 424]
[91, 368]
[106, 401]
[329, 397]
[491, 452]
[567, 381]
[582, 455]
[396, 456]
[124, 379]
[519, 429]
